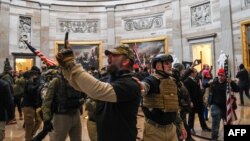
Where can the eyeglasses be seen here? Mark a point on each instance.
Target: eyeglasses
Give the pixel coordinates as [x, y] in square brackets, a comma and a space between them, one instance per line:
[221, 75]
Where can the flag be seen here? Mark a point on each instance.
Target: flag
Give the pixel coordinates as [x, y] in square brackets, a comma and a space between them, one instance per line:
[230, 99]
[137, 59]
[38, 53]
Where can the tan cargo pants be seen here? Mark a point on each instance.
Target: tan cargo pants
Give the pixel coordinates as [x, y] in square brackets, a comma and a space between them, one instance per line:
[92, 131]
[153, 133]
[66, 124]
[31, 122]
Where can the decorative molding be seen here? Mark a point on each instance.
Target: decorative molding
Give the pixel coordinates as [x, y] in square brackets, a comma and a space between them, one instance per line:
[142, 23]
[45, 6]
[22, 54]
[213, 35]
[24, 31]
[79, 26]
[201, 14]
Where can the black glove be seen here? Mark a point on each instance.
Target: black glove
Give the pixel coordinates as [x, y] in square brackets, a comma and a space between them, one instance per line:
[38, 138]
[65, 58]
[47, 126]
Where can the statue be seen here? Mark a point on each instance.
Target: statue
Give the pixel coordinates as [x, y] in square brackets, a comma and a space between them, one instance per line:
[221, 59]
[176, 60]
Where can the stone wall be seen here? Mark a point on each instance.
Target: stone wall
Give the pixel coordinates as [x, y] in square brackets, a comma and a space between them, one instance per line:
[183, 22]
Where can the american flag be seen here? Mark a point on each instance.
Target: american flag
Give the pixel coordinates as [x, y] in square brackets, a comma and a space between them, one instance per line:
[137, 59]
[38, 53]
[230, 113]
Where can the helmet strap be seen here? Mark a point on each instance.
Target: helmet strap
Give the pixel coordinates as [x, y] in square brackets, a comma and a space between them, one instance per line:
[162, 65]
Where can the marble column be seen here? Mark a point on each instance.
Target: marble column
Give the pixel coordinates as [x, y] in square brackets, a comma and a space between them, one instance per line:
[45, 21]
[177, 30]
[4, 32]
[226, 33]
[110, 26]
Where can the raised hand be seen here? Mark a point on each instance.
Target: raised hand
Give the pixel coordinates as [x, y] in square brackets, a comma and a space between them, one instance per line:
[65, 58]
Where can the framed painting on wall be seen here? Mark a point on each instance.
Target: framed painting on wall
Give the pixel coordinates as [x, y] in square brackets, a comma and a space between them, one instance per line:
[88, 54]
[147, 48]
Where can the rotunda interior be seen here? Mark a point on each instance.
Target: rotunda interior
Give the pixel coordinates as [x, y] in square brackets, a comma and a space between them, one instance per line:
[188, 30]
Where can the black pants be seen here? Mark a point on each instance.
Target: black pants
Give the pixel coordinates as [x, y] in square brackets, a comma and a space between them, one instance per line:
[246, 90]
[17, 103]
[201, 118]
[183, 115]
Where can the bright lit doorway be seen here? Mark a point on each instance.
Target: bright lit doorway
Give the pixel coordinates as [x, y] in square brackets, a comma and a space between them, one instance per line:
[23, 61]
[23, 64]
[204, 52]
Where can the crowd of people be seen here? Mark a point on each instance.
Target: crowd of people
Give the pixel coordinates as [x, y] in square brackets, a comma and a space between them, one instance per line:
[169, 98]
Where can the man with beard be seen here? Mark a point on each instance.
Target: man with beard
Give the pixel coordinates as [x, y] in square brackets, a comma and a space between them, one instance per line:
[120, 98]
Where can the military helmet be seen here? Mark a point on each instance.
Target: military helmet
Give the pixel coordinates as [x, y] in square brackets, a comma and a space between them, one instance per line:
[162, 58]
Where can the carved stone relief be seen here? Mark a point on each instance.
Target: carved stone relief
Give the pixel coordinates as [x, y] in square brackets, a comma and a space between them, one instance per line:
[201, 15]
[24, 31]
[79, 26]
[142, 23]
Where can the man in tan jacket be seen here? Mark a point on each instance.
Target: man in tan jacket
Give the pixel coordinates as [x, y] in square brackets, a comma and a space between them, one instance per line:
[119, 99]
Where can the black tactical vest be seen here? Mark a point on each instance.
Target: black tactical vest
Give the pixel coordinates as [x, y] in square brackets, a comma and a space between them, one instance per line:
[67, 99]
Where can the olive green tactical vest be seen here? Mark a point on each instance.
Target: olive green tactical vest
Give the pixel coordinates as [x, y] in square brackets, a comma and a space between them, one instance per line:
[167, 99]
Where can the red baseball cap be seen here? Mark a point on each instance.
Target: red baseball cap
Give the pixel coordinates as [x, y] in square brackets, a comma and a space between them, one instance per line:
[221, 71]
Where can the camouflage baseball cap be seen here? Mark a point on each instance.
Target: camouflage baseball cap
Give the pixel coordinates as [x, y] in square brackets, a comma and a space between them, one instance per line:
[122, 49]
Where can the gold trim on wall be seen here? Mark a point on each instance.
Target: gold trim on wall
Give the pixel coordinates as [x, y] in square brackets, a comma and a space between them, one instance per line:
[244, 40]
[99, 43]
[160, 38]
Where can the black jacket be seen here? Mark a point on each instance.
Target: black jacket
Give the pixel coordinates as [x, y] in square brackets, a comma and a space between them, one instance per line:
[31, 94]
[117, 121]
[243, 78]
[195, 93]
[6, 102]
[218, 91]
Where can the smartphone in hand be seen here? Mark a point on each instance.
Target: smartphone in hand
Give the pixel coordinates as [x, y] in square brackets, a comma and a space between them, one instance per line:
[198, 61]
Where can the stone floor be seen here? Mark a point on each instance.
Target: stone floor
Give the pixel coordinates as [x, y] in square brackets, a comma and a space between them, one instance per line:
[16, 133]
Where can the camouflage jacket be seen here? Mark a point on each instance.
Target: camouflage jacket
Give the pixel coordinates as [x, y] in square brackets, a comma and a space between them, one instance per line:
[19, 86]
[48, 99]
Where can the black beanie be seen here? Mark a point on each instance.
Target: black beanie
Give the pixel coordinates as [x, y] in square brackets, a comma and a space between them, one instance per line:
[178, 66]
[35, 68]
[241, 66]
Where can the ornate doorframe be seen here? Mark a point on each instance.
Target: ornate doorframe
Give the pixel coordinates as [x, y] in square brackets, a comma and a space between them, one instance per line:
[245, 40]
[201, 40]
